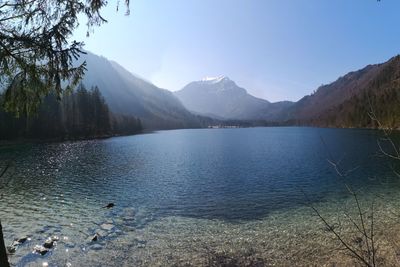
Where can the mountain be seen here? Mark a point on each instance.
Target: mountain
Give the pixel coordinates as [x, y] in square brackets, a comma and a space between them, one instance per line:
[220, 97]
[347, 102]
[351, 99]
[129, 95]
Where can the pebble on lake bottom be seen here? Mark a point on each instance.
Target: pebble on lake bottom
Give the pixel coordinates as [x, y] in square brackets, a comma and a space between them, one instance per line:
[96, 247]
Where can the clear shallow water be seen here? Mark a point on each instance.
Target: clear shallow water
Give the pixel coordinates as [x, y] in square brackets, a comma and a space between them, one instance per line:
[179, 192]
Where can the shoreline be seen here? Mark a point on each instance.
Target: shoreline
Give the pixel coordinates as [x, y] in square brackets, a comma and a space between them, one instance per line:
[17, 141]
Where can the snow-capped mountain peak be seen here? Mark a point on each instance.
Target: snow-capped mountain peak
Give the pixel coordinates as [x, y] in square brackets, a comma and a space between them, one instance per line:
[216, 79]
[222, 98]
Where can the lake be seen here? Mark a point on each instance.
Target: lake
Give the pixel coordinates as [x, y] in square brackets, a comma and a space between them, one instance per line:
[185, 197]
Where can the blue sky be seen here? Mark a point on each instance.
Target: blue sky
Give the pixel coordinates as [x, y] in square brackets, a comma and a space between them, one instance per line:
[276, 49]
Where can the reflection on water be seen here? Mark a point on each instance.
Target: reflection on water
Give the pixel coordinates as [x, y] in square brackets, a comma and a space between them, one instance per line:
[179, 194]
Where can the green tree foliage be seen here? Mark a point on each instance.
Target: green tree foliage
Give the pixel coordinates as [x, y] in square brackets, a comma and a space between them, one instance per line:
[36, 54]
[375, 106]
[81, 114]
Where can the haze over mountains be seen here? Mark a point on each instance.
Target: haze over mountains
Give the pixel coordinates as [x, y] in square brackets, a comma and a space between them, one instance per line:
[220, 97]
[129, 95]
[343, 103]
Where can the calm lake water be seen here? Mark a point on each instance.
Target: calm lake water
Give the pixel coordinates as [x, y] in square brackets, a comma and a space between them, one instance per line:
[180, 194]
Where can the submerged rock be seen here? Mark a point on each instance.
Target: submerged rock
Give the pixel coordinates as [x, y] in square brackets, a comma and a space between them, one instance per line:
[141, 243]
[96, 247]
[109, 205]
[18, 241]
[11, 249]
[95, 237]
[40, 250]
[22, 240]
[107, 226]
[101, 233]
[15, 243]
[49, 243]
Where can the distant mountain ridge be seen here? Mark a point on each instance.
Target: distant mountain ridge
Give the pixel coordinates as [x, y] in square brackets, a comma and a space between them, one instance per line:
[220, 97]
[347, 102]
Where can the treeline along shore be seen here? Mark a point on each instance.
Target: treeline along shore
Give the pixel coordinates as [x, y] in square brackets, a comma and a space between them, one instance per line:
[81, 114]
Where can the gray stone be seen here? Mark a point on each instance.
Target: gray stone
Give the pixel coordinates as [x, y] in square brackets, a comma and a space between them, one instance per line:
[141, 245]
[48, 243]
[51, 241]
[95, 238]
[22, 240]
[109, 205]
[101, 233]
[15, 244]
[96, 247]
[107, 226]
[40, 250]
[11, 249]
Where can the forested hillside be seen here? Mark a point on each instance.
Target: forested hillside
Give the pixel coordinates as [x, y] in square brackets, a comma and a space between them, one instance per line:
[81, 114]
[377, 106]
[358, 99]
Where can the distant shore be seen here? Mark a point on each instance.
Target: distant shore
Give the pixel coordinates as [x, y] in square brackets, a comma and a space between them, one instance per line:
[61, 139]
[80, 138]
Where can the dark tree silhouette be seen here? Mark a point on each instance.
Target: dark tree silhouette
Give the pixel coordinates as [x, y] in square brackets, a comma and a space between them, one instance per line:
[36, 56]
[80, 114]
[3, 250]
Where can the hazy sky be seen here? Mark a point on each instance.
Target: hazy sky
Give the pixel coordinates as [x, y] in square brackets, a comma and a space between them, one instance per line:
[276, 49]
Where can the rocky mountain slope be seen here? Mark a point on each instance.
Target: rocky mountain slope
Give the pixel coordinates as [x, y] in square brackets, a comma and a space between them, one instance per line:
[220, 97]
